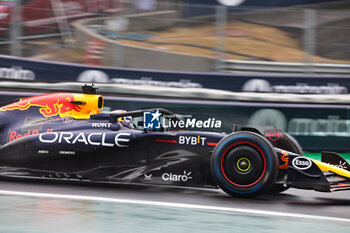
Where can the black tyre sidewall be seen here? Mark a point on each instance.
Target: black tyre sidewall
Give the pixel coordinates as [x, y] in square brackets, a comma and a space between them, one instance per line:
[267, 153]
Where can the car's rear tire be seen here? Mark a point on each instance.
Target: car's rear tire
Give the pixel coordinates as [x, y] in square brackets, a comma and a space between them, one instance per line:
[244, 164]
[284, 142]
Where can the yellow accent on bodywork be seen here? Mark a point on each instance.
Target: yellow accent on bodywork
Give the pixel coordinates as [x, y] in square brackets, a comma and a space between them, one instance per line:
[327, 167]
[89, 107]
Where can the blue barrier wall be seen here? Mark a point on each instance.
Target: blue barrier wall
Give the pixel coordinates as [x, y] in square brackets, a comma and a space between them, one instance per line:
[207, 7]
[263, 3]
[25, 69]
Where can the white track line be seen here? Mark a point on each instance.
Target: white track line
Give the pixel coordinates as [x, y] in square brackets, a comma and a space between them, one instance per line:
[176, 205]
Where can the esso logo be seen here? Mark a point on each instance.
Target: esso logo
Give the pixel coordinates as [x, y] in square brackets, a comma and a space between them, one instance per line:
[301, 163]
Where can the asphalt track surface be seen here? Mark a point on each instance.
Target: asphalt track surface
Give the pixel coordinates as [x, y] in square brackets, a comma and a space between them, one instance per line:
[292, 201]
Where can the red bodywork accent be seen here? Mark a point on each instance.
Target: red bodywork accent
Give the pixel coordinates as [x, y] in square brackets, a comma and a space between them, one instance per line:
[212, 143]
[285, 159]
[50, 104]
[166, 140]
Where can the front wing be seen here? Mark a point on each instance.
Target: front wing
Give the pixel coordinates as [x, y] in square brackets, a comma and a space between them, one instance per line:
[330, 174]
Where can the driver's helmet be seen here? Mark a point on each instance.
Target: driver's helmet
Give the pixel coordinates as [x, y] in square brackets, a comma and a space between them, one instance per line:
[125, 121]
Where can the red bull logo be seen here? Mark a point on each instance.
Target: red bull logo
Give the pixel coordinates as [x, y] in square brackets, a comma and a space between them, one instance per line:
[50, 104]
[16, 135]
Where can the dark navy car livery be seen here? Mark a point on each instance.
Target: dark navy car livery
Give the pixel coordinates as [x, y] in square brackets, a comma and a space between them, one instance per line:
[63, 136]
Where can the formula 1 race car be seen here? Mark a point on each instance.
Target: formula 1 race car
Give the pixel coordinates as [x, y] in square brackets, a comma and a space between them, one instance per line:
[63, 136]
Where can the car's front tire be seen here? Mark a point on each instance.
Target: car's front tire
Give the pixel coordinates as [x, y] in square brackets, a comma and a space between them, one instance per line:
[244, 164]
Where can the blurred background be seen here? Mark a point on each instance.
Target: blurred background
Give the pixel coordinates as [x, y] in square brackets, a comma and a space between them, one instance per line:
[183, 35]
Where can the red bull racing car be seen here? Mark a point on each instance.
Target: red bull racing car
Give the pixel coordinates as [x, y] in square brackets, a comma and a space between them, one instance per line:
[63, 136]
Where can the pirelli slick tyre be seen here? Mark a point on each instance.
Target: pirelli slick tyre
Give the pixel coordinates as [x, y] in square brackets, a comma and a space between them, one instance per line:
[284, 141]
[244, 164]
